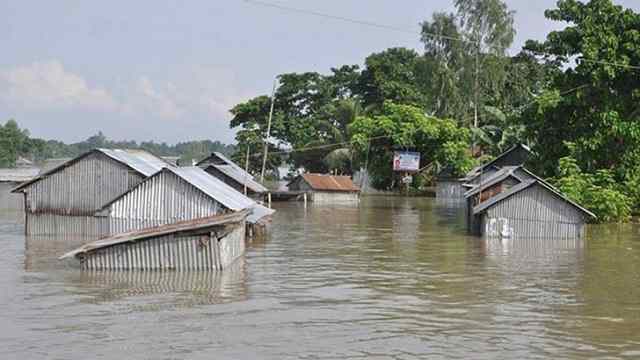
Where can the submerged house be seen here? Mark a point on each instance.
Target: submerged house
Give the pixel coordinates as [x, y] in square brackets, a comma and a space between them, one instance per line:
[232, 174]
[64, 199]
[326, 188]
[237, 180]
[173, 195]
[453, 188]
[514, 203]
[9, 179]
[179, 218]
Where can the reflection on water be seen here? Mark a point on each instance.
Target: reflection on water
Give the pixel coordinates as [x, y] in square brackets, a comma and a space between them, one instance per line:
[392, 278]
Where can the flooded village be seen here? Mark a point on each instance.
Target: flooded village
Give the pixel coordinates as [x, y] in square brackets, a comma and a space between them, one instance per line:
[446, 179]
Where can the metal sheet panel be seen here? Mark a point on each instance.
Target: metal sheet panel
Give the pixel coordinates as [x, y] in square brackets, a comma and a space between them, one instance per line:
[534, 212]
[139, 160]
[170, 252]
[241, 179]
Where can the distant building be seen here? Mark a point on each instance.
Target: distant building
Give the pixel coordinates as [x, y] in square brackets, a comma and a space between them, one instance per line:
[9, 179]
[513, 206]
[218, 158]
[326, 188]
[64, 199]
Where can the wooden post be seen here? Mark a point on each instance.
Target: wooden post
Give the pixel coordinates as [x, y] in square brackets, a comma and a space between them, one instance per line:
[269, 199]
[246, 170]
[304, 196]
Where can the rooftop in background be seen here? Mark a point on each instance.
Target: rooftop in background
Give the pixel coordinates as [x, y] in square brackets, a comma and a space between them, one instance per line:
[241, 178]
[218, 158]
[320, 182]
[18, 175]
[515, 156]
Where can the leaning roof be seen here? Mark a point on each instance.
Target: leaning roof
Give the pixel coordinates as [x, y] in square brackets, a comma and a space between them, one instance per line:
[239, 177]
[18, 175]
[484, 206]
[495, 178]
[140, 161]
[322, 182]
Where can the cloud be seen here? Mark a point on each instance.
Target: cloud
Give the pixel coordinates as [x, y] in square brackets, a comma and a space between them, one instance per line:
[48, 85]
[182, 103]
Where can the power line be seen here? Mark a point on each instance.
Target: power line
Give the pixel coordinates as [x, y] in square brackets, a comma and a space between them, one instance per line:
[353, 21]
[404, 30]
[323, 146]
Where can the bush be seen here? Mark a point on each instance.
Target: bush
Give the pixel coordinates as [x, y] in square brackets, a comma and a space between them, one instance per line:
[598, 192]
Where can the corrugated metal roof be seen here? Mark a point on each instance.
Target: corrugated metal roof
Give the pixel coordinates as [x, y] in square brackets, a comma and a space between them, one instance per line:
[221, 158]
[221, 192]
[322, 182]
[144, 162]
[522, 186]
[241, 178]
[499, 176]
[18, 175]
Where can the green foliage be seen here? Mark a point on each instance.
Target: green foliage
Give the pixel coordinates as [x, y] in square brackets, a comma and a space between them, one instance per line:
[440, 141]
[13, 142]
[597, 192]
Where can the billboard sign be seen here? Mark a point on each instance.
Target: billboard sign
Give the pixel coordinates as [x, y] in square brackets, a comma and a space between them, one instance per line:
[406, 161]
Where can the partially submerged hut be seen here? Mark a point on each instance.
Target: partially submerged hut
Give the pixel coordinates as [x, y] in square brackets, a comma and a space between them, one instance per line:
[233, 175]
[210, 243]
[64, 199]
[176, 194]
[237, 180]
[453, 188]
[326, 188]
[528, 209]
[9, 179]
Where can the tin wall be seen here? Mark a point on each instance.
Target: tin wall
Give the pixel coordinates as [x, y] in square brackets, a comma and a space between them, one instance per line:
[450, 190]
[82, 188]
[9, 201]
[197, 252]
[162, 199]
[533, 212]
[321, 197]
[88, 227]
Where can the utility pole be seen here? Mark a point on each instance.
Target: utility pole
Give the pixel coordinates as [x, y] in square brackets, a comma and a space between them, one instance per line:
[266, 139]
[246, 170]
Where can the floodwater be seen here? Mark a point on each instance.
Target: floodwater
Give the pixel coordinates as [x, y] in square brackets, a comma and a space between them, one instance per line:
[394, 278]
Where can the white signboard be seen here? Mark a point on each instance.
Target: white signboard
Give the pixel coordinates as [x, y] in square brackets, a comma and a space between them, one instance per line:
[406, 161]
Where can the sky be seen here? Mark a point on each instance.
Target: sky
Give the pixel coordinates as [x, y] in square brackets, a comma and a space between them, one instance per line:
[170, 71]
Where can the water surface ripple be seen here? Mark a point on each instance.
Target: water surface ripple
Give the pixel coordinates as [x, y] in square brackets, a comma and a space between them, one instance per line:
[392, 278]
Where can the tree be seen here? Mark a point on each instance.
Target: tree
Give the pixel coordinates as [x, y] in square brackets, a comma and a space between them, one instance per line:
[13, 142]
[440, 141]
[596, 105]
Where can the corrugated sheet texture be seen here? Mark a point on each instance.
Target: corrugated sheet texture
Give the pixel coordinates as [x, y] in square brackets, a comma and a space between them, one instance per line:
[321, 197]
[214, 187]
[88, 227]
[450, 190]
[139, 160]
[162, 199]
[8, 200]
[219, 159]
[320, 182]
[18, 175]
[236, 179]
[170, 252]
[81, 188]
[533, 212]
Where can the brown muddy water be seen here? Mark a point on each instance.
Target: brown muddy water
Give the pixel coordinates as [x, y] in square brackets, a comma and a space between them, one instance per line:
[394, 278]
